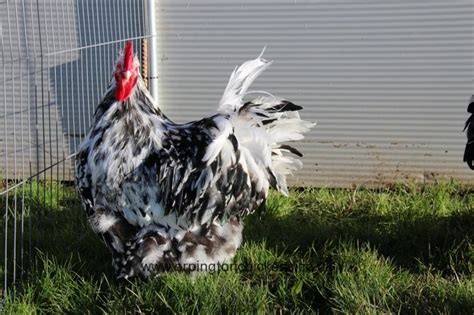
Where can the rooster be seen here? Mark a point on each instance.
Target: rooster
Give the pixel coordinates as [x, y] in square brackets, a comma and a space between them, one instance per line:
[167, 196]
[469, 150]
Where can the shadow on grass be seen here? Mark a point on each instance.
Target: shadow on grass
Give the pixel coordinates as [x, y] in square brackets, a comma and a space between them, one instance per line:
[445, 243]
[59, 228]
[49, 221]
[391, 250]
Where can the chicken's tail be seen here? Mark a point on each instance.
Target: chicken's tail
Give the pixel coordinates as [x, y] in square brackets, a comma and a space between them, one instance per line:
[264, 124]
[268, 124]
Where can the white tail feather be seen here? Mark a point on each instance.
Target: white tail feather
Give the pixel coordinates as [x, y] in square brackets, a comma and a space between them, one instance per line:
[239, 82]
[262, 127]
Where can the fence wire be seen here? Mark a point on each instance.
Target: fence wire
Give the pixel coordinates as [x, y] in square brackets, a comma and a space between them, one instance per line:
[57, 58]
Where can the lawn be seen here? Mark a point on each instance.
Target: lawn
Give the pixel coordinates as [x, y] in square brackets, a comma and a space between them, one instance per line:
[401, 249]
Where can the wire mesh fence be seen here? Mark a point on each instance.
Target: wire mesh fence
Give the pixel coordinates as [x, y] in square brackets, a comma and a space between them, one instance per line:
[57, 58]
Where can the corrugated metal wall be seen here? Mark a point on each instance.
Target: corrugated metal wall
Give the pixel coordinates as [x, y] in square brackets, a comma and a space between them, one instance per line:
[387, 81]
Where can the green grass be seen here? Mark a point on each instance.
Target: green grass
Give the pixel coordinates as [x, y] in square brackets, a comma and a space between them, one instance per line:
[403, 249]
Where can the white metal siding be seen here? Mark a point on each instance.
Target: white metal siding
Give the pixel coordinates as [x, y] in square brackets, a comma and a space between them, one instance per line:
[387, 81]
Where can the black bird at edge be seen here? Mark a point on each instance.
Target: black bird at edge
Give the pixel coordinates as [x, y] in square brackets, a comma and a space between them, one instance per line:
[469, 151]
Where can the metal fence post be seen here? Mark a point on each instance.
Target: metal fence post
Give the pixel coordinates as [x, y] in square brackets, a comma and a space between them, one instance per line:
[152, 50]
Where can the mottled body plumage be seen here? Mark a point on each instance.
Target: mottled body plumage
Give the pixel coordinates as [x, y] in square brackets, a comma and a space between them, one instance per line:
[163, 194]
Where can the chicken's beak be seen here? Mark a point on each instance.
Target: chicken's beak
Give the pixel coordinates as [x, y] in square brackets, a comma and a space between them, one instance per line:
[127, 74]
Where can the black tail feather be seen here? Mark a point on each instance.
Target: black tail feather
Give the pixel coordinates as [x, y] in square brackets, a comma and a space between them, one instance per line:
[291, 149]
[284, 106]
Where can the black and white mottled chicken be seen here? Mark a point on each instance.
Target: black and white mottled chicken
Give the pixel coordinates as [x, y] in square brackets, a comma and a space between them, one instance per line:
[164, 195]
[469, 150]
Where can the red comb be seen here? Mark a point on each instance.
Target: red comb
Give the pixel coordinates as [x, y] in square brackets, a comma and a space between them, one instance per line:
[128, 56]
